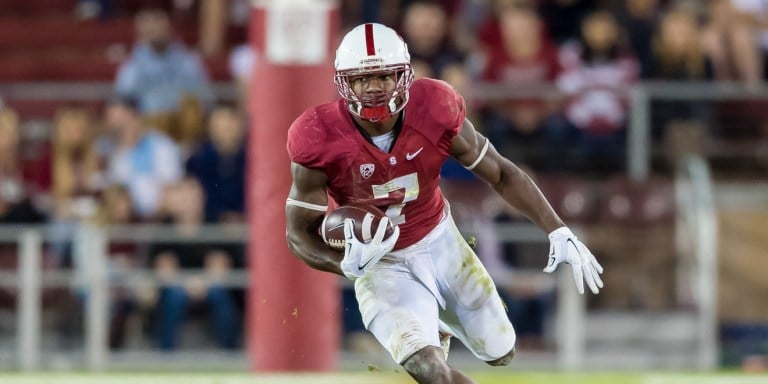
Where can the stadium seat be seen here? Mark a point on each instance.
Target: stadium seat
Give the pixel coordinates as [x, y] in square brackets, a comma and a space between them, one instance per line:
[574, 199]
[62, 48]
[637, 204]
[37, 8]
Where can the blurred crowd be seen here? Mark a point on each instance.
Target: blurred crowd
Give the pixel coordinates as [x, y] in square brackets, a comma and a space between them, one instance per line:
[545, 80]
[160, 150]
[549, 78]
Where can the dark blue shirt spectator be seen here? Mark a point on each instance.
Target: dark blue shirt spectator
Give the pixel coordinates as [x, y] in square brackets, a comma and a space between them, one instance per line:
[219, 166]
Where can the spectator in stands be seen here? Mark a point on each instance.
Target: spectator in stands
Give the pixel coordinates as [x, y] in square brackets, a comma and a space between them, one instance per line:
[217, 20]
[15, 206]
[563, 17]
[489, 32]
[115, 209]
[90, 9]
[715, 39]
[219, 166]
[184, 210]
[78, 176]
[678, 51]
[525, 61]
[737, 41]
[15, 198]
[640, 18]
[163, 75]
[597, 70]
[143, 159]
[386, 12]
[188, 128]
[678, 55]
[242, 62]
[488, 36]
[425, 29]
[77, 169]
[734, 36]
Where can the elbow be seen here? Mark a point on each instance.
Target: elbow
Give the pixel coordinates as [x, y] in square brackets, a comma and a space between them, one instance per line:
[293, 243]
[500, 182]
[505, 175]
[509, 177]
[298, 250]
[308, 251]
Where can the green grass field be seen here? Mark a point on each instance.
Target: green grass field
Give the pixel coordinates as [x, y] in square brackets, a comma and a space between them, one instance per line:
[381, 378]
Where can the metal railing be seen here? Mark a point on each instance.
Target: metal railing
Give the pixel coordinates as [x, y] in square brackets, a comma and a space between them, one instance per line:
[84, 91]
[91, 275]
[697, 274]
[639, 130]
[90, 246]
[640, 97]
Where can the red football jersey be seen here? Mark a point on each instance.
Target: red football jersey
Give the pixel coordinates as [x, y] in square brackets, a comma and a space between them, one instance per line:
[405, 182]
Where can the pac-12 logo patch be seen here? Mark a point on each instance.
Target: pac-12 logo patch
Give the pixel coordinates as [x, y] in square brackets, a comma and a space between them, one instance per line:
[366, 170]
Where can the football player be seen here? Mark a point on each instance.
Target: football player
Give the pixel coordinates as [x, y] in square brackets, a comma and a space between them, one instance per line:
[383, 143]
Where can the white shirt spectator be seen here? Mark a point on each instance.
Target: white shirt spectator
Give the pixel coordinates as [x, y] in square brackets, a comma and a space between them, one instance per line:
[146, 169]
[595, 102]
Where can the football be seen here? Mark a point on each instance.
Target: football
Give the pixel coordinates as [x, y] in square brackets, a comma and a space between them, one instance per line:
[366, 218]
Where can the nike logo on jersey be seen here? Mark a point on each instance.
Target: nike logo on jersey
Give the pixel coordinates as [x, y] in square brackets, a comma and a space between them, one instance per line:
[410, 156]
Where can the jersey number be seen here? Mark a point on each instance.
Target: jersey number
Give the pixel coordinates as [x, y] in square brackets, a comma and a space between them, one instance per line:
[410, 183]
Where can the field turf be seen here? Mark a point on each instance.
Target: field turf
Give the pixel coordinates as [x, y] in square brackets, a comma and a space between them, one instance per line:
[380, 378]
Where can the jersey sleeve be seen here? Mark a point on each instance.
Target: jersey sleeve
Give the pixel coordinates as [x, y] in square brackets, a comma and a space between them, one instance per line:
[460, 111]
[304, 141]
[449, 111]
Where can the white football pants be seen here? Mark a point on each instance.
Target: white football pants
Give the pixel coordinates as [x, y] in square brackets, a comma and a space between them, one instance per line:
[404, 297]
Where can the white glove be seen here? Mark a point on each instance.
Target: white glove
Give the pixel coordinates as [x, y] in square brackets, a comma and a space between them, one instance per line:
[564, 247]
[359, 256]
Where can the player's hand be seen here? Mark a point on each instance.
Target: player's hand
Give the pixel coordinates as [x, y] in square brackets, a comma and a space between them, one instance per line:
[359, 256]
[564, 247]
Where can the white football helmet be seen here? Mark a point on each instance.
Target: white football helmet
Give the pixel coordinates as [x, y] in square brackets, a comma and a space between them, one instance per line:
[368, 49]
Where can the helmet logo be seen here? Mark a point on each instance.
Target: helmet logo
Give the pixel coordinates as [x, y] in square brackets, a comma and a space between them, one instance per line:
[372, 61]
[366, 170]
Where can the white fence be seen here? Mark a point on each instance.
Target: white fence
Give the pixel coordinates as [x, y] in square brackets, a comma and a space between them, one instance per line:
[90, 245]
[697, 226]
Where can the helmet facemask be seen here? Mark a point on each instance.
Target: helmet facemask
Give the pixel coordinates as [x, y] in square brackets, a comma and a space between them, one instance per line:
[380, 106]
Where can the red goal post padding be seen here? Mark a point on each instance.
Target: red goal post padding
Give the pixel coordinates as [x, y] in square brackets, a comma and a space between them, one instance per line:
[293, 319]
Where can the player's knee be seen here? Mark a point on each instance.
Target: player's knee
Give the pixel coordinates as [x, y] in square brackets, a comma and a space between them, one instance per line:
[504, 360]
[427, 366]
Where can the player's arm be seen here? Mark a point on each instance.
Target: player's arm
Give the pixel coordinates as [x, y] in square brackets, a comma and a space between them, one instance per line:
[304, 212]
[474, 151]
